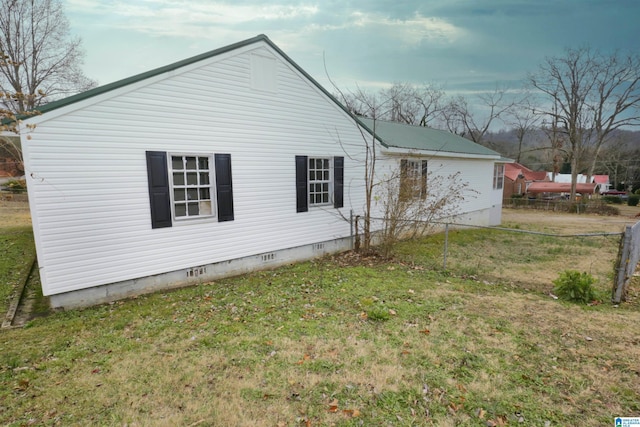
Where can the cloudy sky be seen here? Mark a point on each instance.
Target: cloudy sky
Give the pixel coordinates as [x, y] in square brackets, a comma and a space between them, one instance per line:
[464, 46]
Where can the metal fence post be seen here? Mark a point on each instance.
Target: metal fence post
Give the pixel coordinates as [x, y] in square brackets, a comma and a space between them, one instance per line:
[621, 268]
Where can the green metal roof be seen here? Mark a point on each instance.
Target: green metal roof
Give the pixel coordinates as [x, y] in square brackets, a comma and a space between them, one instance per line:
[142, 76]
[412, 137]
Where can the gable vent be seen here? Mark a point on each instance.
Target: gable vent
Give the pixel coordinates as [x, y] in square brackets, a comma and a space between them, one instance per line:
[263, 73]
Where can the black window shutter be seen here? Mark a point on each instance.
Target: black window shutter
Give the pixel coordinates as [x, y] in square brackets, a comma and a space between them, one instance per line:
[423, 191]
[159, 197]
[302, 202]
[224, 187]
[338, 182]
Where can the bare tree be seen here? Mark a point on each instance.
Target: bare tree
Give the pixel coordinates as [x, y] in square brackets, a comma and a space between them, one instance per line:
[461, 119]
[408, 206]
[413, 105]
[523, 119]
[590, 95]
[403, 103]
[365, 104]
[39, 60]
[413, 206]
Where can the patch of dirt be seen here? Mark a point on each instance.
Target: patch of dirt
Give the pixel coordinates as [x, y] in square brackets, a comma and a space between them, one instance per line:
[32, 303]
[353, 258]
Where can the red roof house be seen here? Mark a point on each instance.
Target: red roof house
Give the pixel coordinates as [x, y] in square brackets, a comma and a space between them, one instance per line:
[518, 178]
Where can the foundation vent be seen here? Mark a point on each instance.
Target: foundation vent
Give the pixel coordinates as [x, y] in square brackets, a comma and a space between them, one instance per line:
[268, 257]
[196, 271]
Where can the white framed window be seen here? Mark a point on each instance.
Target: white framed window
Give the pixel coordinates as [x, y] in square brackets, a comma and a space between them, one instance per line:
[192, 185]
[498, 176]
[319, 181]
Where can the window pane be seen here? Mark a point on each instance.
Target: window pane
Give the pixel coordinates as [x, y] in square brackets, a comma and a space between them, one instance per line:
[176, 162]
[191, 162]
[205, 208]
[181, 210]
[325, 163]
[325, 198]
[325, 188]
[193, 209]
[325, 175]
[192, 178]
[204, 194]
[312, 175]
[178, 178]
[204, 178]
[192, 193]
[178, 194]
[203, 163]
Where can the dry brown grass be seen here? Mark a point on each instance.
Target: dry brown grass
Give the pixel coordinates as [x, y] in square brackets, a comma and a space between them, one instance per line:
[299, 346]
[14, 213]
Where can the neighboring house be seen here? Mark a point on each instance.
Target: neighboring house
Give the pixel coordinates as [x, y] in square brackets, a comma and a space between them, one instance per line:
[603, 182]
[10, 166]
[226, 162]
[566, 178]
[517, 179]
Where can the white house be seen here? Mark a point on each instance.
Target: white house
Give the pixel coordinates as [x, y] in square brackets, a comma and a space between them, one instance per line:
[216, 165]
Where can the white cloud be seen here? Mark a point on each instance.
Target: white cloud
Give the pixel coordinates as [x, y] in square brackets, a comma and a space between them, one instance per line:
[410, 31]
[204, 19]
[187, 19]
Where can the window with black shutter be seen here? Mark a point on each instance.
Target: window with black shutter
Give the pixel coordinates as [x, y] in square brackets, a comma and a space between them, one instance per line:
[188, 186]
[319, 182]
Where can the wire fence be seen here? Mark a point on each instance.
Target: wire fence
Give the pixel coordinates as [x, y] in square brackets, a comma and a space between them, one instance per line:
[522, 258]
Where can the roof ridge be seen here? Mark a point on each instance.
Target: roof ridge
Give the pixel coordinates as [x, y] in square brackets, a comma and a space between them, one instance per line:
[147, 74]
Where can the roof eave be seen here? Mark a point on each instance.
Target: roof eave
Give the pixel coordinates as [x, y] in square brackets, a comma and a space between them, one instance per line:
[392, 150]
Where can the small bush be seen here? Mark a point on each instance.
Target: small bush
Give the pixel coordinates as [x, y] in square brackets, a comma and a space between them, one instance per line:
[16, 185]
[378, 314]
[633, 200]
[616, 200]
[574, 286]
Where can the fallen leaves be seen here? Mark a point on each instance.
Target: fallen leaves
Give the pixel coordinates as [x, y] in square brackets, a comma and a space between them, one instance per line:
[304, 359]
[334, 408]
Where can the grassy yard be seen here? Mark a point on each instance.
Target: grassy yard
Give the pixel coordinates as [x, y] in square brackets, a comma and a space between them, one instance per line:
[17, 251]
[344, 341]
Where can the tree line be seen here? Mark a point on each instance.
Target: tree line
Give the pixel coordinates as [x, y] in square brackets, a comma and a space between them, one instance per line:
[574, 114]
